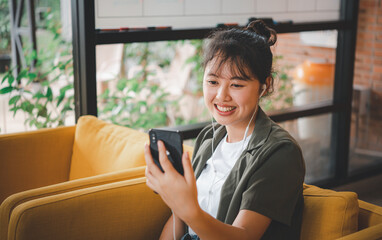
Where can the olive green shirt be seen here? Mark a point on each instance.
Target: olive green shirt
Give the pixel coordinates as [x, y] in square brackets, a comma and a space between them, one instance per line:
[267, 178]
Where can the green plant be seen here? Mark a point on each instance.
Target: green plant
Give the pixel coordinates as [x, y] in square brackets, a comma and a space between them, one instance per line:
[45, 93]
[35, 97]
[137, 102]
[5, 27]
[283, 95]
[197, 63]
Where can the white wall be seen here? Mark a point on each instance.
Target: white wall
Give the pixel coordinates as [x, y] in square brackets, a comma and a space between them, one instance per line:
[208, 13]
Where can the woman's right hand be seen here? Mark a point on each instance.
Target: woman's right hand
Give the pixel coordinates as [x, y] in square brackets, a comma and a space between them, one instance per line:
[177, 191]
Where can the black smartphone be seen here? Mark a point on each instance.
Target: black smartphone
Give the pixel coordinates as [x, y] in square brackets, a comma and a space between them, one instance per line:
[173, 141]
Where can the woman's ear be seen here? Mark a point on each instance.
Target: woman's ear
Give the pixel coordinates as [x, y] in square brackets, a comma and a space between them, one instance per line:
[267, 84]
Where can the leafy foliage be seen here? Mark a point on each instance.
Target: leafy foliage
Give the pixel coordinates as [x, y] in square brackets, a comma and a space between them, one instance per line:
[45, 93]
[5, 27]
[283, 95]
[137, 102]
[197, 62]
[32, 93]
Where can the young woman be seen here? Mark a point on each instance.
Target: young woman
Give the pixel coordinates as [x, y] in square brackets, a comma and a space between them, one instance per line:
[245, 180]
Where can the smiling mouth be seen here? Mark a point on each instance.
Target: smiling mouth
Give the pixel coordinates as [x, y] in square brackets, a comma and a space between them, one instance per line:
[224, 109]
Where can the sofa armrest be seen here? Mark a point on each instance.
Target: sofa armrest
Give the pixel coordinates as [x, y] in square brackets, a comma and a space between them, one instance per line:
[369, 222]
[121, 210]
[16, 199]
[370, 233]
[34, 159]
[369, 215]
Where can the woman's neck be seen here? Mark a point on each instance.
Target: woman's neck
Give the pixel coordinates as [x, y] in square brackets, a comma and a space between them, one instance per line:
[236, 134]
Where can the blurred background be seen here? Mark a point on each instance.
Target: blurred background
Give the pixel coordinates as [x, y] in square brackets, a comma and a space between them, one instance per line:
[149, 84]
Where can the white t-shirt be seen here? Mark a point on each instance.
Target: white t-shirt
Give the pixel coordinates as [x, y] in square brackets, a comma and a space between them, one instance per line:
[215, 173]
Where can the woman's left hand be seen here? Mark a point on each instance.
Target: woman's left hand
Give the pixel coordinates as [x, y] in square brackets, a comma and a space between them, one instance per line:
[177, 191]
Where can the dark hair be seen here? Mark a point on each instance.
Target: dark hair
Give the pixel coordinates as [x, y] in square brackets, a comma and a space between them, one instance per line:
[246, 48]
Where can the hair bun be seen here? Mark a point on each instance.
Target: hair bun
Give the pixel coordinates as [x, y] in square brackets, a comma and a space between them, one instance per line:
[259, 27]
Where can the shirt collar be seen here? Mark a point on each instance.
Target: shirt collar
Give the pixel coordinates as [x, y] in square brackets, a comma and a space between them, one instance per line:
[262, 130]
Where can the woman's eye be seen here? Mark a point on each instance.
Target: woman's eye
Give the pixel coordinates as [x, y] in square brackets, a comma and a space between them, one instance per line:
[212, 82]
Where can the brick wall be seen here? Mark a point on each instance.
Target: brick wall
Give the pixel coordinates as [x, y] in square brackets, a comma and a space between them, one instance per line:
[368, 63]
[294, 52]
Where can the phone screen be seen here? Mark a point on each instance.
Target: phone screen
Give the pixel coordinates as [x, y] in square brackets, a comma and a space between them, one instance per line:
[173, 142]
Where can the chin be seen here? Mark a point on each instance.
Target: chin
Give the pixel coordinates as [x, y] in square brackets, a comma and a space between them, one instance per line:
[221, 121]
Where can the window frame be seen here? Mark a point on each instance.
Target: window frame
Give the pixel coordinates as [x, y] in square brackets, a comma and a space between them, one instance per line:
[86, 38]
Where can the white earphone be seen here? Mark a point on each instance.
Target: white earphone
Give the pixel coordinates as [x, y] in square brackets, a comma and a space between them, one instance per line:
[263, 88]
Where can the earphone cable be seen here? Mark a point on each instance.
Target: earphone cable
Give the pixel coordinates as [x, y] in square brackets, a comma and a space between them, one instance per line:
[213, 183]
[173, 225]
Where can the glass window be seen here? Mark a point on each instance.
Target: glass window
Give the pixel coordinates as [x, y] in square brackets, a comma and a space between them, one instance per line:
[144, 85]
[313, 135]
[43, 96]
[304, 67]
[156, 84]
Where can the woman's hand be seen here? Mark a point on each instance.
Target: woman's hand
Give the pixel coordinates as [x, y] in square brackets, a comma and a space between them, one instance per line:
[177, 191]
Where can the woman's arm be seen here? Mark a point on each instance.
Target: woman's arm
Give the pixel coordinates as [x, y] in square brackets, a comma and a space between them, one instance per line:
[167, 232]
[180, 194]
[247, 225]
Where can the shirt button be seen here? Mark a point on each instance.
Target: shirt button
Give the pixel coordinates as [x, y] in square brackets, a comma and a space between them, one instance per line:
[210, 192]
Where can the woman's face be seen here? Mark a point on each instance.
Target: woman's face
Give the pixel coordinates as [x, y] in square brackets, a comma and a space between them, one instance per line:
[229, 97]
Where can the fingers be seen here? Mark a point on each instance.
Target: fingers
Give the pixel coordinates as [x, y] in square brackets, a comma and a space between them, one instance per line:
[149, 179]
[187, 166]
[151, 166]
[150, 185]
[163, 160]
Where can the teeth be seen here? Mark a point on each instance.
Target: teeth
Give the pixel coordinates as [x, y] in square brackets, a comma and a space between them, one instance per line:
[224, 109]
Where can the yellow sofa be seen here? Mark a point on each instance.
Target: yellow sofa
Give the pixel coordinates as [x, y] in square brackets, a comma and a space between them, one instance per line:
[87, 182]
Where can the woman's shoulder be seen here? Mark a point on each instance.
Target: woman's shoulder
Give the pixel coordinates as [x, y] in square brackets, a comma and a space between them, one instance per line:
[208, 132]
[271, 135]
[281, 145]
[279, 135]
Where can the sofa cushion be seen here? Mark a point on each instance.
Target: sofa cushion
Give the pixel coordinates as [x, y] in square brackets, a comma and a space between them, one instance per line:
[101, 147]
[125, 209]
[328, 214]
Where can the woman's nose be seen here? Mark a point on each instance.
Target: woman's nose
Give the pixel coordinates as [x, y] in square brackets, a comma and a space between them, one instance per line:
[223, 94]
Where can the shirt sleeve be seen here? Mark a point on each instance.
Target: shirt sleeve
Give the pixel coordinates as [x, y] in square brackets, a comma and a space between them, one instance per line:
[275, 187]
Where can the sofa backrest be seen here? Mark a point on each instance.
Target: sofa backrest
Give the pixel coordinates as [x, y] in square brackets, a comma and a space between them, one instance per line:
[101, 147]
[328, 214]
[34, 159]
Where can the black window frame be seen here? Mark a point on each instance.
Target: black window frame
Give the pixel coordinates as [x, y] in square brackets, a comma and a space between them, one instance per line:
[86, 38]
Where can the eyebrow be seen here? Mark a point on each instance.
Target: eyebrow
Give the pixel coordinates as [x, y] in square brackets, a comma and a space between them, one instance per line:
[232, 78]
[239, 78]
